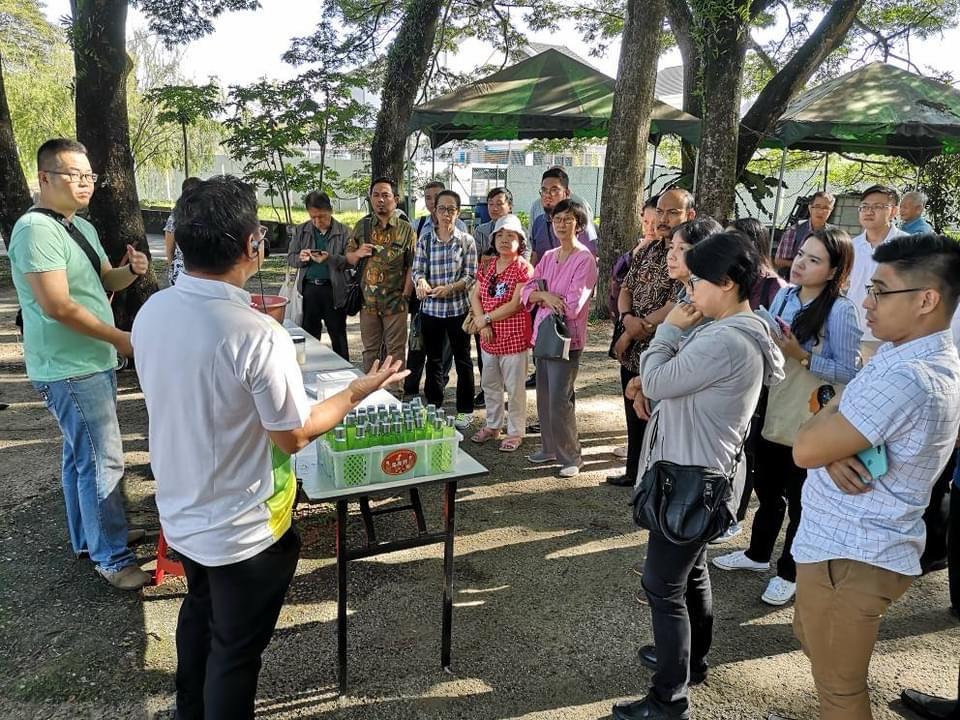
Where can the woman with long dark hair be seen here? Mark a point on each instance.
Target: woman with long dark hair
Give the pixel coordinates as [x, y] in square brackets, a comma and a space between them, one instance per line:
[820, 338]
[705, 390]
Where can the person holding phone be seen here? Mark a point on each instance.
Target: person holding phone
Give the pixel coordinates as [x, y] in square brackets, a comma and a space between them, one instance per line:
[859, 541]
[819, 336]
[318, 251]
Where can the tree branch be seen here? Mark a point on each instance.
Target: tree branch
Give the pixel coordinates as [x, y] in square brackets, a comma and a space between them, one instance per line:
[762, 54]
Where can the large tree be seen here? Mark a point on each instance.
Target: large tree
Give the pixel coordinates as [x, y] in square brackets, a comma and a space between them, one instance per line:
[14, 193]
[622, 199]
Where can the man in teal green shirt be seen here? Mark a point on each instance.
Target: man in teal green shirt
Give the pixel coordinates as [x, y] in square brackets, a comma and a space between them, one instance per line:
[62, 275]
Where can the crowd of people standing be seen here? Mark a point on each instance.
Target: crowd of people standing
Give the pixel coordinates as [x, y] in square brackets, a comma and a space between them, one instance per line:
[824, 377]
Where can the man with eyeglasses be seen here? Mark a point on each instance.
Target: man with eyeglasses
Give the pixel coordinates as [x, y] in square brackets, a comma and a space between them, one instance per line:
[554, 187]
[820, 208]
[878, 208]
[62, 276]
[645, 299]
[860, 538]
[426, 223]
[384, 244]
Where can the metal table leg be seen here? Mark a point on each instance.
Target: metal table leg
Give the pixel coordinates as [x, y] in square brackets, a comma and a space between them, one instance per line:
[342, 595]
[449, 505]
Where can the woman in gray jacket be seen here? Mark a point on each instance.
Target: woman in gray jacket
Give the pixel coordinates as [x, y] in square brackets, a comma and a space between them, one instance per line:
[318, 251]
[706, 386]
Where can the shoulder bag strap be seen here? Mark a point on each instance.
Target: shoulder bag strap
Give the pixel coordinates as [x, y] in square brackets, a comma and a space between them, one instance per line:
[78, 237]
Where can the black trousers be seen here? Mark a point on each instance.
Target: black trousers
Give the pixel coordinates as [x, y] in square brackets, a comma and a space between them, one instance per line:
[677, 584]
[635, 427]
[319, 311]
[778, 487]
[417, 359]
[435, 332]
[936, 518]
[226, 621]
[953, 547]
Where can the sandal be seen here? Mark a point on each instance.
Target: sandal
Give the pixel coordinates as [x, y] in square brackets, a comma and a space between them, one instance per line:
[485, 434]
[511, 443]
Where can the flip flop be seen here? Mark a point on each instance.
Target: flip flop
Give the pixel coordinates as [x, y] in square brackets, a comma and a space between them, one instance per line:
[484, 434]
[510, 444]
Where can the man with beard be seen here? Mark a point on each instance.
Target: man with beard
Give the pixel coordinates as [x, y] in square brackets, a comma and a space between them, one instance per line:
[645, 300]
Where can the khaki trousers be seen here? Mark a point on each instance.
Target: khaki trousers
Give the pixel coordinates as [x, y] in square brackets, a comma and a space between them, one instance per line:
[382, 335]
[505, 374]
[838, 610]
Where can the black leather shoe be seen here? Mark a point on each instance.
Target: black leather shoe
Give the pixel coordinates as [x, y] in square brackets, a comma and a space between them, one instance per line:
[532, 381]
[620, 480]
[479, 400]
[533, 428]
[929, 706]
[648, 658]
[647, 708]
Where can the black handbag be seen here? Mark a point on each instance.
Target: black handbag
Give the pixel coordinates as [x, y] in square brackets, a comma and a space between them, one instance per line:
[686, 504]
[353, 289]
[415, 341]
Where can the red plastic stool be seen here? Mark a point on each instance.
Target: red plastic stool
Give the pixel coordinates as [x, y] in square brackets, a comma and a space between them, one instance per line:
[164, 564]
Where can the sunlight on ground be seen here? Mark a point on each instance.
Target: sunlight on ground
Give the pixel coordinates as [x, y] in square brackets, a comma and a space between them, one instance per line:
[595, 546]
[478, 542]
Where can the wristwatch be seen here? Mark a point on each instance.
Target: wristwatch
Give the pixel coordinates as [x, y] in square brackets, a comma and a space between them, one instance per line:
[805, 362]
[624, 314]
[487, 320]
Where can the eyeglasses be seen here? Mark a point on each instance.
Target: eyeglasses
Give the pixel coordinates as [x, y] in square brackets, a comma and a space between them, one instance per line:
[562, 220]
[867, 207]
[875, 294]
[262, 232]
[75, 177]
[552, 192]
[492, 287]
[693, 280]
[447, 209]
[673, 212]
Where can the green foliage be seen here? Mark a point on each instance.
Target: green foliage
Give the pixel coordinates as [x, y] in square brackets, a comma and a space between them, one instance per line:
[940, 181]
[179, 21]
[185, 106]
[38, 76]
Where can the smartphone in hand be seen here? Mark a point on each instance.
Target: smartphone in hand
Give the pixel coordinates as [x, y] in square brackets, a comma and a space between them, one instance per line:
[875, 461]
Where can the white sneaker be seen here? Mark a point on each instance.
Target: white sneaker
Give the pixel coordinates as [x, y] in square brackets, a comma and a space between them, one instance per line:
[730, 533]
[620, 452]
[463, 421]
[779, 591]
[570, 471]
[739, 561]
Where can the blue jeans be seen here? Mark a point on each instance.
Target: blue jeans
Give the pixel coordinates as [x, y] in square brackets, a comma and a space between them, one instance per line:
[86, 410]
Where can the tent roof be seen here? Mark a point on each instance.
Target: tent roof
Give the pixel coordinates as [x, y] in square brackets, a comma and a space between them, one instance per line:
[878, 109]
[549, 95]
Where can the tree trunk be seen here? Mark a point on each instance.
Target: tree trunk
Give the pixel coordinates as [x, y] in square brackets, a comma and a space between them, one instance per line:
[724, 47]
[406, 64]
[681, 23]
[14, 192]
[102, 66]
[782, 87]
[186, 151]
[621, 202]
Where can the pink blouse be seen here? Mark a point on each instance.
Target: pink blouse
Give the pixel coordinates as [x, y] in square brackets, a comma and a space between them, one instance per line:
[574, 280]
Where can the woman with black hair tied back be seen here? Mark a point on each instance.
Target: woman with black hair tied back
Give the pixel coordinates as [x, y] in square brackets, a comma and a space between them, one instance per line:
[820, 338]
[706, 391]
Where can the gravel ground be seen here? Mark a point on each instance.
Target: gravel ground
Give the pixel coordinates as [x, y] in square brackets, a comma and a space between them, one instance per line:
[546, 620]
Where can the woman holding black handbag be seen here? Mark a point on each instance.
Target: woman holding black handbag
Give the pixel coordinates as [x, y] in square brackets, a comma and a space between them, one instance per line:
[706, 391]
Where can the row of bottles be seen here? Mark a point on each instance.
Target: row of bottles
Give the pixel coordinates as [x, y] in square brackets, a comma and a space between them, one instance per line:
[400, 425]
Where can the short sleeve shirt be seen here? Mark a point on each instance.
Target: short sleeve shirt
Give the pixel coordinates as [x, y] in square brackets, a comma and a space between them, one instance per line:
[53, 351]
[651, 288]
[385, 271]
[513, 334]
[908, 399]
[225, 492]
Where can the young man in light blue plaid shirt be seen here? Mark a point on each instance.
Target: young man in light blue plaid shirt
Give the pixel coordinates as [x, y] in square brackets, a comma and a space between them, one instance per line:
[860, 538]
[444, 268]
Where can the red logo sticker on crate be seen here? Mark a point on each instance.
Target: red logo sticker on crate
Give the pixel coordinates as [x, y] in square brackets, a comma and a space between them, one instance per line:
[398, 462]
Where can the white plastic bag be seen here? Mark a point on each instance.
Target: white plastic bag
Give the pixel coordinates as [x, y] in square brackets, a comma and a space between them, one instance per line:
[288, 289]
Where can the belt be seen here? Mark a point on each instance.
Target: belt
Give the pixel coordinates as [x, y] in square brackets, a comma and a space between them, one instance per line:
[317, 282]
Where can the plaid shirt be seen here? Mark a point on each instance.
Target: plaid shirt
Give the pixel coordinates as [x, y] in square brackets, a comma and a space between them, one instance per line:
[443, 263]
[513, 334]
[907, 398]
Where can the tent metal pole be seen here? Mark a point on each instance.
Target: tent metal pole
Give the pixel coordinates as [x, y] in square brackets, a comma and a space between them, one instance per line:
[916, 182]
[653, 167]
[776, 203]
[433, 161]
[826, 169]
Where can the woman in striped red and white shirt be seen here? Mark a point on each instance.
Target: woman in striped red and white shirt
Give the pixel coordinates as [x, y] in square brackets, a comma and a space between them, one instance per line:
[505, 330]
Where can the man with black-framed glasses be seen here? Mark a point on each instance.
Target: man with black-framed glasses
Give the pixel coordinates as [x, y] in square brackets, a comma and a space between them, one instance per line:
[62, 275]
[861, 536]
[877, 210]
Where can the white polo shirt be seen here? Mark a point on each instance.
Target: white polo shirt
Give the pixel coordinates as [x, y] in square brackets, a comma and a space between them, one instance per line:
[862, 273]
[216, 375]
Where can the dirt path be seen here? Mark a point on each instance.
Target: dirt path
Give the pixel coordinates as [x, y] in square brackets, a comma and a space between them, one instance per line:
[546, 623]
